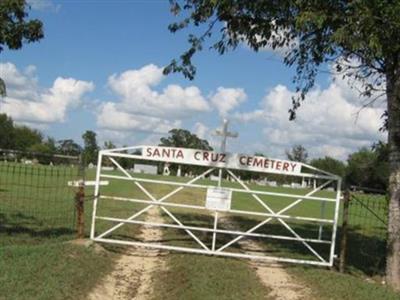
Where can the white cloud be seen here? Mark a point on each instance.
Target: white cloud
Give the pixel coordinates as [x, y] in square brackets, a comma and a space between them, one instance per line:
[135, 87]
[142, 108]
[151, 139]
[227, 99]
[117, 137]
[326, 124]
[109, 117]
[201, 130]
[27, 102]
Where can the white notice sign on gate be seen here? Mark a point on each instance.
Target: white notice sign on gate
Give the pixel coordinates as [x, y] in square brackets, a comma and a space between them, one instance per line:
[218, 199]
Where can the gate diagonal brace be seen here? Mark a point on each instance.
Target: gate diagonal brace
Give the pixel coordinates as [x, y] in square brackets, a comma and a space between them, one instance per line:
[156, 200]
[279, 219]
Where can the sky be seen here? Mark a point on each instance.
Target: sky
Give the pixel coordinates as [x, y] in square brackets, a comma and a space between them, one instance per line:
[99, 67]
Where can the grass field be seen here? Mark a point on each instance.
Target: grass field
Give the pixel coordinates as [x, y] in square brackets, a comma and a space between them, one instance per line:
[37, 214]
[50, 271]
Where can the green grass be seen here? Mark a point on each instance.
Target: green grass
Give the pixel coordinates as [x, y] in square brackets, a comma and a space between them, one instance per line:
[35, 203]
[327, 284]
[50, 271]
[199, 277]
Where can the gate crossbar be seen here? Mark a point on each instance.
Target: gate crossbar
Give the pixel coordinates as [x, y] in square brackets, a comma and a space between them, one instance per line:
[189, 184]
[205, 229]
[234, 211]
[222, 253]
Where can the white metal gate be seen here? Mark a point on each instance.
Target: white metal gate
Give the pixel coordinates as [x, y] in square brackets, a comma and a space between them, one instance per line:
[230, 163]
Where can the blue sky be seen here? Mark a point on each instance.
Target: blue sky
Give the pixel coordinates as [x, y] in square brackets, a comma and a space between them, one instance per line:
[99, 67]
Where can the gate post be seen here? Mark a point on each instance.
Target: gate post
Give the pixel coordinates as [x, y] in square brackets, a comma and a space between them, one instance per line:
[343, 242]
[80, 201]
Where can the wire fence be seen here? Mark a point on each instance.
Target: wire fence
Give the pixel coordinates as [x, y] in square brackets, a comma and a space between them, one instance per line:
[35, 199]
[365, 214]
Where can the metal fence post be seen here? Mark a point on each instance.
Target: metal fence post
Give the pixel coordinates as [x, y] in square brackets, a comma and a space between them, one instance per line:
[80, 200]
[343, 242]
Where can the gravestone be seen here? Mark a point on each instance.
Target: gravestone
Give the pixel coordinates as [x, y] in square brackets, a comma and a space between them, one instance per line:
[145, 169]
[166, 171]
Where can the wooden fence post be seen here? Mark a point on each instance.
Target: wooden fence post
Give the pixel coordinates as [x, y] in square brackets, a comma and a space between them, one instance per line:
[80, 210]
[80, 200]
[343, 242]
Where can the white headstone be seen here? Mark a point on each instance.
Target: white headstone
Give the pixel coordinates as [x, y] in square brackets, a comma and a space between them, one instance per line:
[214, 178]
[295, 185]
[145, 169]
[179, 173]
[107, 168]
[166, 170]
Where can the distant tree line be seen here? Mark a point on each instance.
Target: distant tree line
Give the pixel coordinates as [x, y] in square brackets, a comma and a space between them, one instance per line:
[367, 167]
[26, 139]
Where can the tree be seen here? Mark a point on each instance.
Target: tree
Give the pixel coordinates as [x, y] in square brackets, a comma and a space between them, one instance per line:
[26, 137]
[107, 162]
[380, 176]
[108, 145]
[7, 134]
[330, 165]
[297, 153]
[90, 148]
[361, 39]
[369, 167]
[50, 144]
[16, 29]
[185, 139]
[68, 147]
[360, 166]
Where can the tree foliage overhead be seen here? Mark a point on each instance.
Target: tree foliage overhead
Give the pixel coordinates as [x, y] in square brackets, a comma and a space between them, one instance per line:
[16, 29]
[358, 37]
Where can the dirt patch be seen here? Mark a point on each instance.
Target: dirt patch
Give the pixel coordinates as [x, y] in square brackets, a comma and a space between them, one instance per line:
[132, 277]
[272, 275]
[275, 277]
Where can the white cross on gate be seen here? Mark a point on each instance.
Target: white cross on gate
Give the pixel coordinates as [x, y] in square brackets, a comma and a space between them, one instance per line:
[225, 134]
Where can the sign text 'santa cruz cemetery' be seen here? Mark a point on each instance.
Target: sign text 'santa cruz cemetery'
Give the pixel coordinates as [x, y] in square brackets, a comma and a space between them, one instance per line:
[221, 160]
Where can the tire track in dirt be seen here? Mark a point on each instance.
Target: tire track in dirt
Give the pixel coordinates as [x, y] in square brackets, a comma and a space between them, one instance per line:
[132, 277]
[271, 274]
